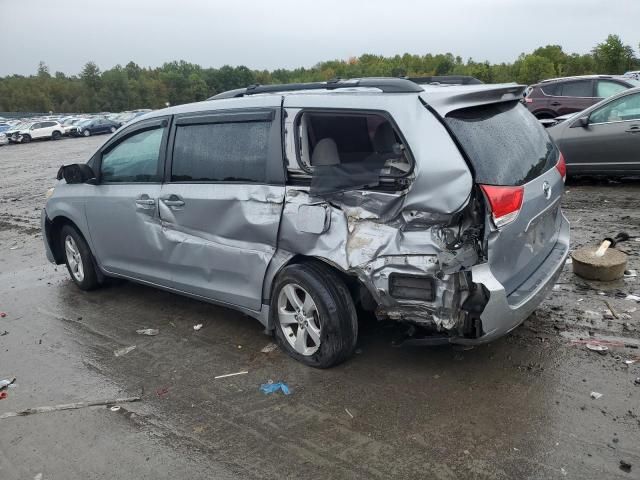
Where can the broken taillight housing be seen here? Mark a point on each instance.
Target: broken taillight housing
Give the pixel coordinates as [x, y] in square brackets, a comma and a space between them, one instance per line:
[561, 166]
[505, 203]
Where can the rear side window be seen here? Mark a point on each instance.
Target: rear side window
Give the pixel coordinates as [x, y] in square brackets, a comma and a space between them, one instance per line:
[350, 150]
[580, 88]
[505, 144]
[552, 89]
[221, 152]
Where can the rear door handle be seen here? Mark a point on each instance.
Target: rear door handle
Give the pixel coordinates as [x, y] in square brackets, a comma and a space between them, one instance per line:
[555, 104]
[173, 201]
[633, 129]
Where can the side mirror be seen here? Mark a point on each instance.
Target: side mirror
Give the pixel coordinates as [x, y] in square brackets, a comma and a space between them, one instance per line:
[77, 173]
[582, 122]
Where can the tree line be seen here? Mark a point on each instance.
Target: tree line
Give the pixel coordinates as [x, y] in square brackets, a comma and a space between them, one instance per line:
[130, 87]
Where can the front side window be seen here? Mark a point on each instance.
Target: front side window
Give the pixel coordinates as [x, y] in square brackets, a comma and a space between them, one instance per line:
[619, 110]
[221, 152]
[135, 159]
[552, 89]
[580, 88]
[348, 151]
[606, 88]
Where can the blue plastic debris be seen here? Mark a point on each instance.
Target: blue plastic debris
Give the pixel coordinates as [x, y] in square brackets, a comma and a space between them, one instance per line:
[272, 387]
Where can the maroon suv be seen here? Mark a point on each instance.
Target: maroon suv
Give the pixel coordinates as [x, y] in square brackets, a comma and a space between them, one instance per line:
[559, 96]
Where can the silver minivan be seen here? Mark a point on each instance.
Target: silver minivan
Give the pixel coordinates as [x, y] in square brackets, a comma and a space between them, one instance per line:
[302, 205]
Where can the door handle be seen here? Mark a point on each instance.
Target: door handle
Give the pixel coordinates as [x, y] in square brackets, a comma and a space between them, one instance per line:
[555, 104]
[144, 201]
[173, 201]
[633, 129]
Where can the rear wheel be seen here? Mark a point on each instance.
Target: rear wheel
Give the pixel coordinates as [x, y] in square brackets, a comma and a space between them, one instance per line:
[78, 258]
[86, 133]
[314, 316]
[56, 135]
[112, 129]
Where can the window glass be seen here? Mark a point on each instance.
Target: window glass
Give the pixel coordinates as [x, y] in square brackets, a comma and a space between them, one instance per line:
[218, 152]
[607, 88]
[347, 151]
[135, 159]
[619, 110]
[580, 88]
[552, 89]
[505, 143]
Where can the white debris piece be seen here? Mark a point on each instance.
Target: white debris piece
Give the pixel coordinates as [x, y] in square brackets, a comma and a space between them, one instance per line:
[123, 351]
[596, 395]
[630, 273]
[148, 331]
[269, 348]
[633, 297]
[244, 372]
[197, 327]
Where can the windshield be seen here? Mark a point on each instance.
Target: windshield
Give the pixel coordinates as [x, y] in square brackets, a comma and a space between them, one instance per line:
[506, 145]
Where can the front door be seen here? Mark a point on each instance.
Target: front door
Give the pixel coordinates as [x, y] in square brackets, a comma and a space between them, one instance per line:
[611, 140]
[222, 201]
[122, 213]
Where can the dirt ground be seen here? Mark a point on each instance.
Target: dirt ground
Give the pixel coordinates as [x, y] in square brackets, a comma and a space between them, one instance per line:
[518, 408]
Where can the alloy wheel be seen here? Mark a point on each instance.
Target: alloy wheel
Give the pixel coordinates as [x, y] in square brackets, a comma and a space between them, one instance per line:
[299, 319]
[73, 258]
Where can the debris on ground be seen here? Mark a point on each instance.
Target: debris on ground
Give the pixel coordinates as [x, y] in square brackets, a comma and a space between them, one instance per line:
[3, 314]
[3, 395]
[596, 395]
[625, 466]
[244, 372]
[162, 391]
[601, 349]
[69, 406]
[271, 387]
[123, 351]
[4, 333]
[115, 408]
[269, 348]
[148, 331]
[197, 327]
[630, 273]
[633, 297]
[637, 381]
[6, 383]
[348, 412]
[591, 315]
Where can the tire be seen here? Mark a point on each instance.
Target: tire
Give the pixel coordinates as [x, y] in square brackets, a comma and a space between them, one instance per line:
[78, 258]
[112, 129]
[544, 115]
[329, 316]
[86, 133]
[26, 139]
[56, 135]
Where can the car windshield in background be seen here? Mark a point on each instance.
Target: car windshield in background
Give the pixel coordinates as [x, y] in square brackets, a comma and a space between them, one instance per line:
[506, 145]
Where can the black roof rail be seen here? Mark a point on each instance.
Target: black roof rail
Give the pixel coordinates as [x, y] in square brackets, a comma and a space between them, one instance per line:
[385, 84]
[446, 80]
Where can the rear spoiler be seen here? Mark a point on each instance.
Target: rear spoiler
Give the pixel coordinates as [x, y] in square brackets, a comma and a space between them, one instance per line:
[447, 99]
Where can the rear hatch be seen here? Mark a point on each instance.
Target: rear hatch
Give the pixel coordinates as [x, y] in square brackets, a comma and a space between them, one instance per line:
[513, 159]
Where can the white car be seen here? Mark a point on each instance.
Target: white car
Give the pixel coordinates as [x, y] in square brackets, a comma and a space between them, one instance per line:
[47, 129]
[3, 138]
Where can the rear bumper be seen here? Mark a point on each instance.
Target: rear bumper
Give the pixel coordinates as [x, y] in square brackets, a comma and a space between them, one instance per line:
[505, 312]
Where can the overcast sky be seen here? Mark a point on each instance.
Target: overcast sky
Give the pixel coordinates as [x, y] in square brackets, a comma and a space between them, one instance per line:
[269, 34]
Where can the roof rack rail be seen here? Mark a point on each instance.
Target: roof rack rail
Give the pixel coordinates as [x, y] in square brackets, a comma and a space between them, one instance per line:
[385, 84]
[445, 80]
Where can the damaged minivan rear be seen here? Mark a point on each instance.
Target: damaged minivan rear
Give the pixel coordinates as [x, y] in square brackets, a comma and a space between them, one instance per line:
[302, 205]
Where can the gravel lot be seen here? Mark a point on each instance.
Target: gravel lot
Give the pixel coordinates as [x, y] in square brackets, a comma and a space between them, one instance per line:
[517, 408]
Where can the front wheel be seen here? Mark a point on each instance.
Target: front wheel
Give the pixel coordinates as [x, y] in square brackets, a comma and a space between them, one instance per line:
[112, 129]
[56, 135]
[314, 316]
[78, 258]
[86, 133]
[25, 139]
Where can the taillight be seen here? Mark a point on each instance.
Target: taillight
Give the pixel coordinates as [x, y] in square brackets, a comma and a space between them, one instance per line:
[528, 100]
[505, 203]
[561, 166]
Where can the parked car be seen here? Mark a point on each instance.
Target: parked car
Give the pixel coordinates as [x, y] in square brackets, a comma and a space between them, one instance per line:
[3, 138]
[96, 126]
[4, 127]
[296, 209]
[71, 125]
[26, 132]
[603, 139]
[560, 96]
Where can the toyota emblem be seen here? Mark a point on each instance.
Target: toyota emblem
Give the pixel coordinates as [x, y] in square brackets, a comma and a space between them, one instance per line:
[546, 188]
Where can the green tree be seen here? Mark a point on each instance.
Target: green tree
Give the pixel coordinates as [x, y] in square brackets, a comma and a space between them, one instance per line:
[612, 56]
[533, 68]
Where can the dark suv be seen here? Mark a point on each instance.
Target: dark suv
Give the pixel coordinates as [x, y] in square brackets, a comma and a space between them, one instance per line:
[560, 96]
